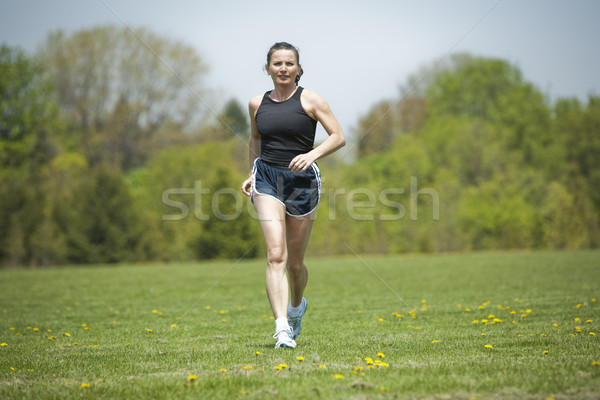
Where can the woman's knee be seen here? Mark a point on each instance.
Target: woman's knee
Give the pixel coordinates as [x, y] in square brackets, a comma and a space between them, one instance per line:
[295, 266]
[276, 256]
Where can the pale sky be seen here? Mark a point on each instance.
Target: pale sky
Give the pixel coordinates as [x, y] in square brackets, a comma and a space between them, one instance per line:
[354, 53]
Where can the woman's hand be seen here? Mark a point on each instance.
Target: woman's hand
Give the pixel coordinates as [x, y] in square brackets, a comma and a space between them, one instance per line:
[302, 162]
[246, 186]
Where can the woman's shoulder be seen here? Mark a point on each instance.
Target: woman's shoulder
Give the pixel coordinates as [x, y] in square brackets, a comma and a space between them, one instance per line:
[312, 99]
[255, 101]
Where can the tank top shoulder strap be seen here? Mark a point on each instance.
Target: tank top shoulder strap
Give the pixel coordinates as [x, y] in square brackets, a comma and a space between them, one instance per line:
[265, 96]
[298, 93]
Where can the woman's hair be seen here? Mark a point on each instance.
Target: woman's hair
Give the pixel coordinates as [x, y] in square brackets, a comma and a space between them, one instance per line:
[285, 46]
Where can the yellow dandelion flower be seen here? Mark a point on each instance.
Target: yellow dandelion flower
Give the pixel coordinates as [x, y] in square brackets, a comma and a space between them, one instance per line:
[13, 369]
[519, 335]
[222, 370]
[594, 363]
[554, 325]
[380, 319]
[359, 368]
[545, 352]
[207, 307]
[257, 353]
[513, 312]
[353, 372]
[572, 334]
[589, 321]
[149, 330]
[577, 319]
[223, 320]
[173, 325]
[475, 321]
[371, 366]
[339, 376]
[483, 334]
[368, 360]
[593, 333]
[384, 364]
[435, 341]
[243, 392]
[67, 334]
[323, 366]
[467, 309]
[3, 344]
[579, 305]
[192, 378]
[278, 368]
[528, 311]
[283, 365]
[85, 385]
[383, 388]
[594, 300]
[247, 367]
[154, 311]
[488, 346]
[300, 358]
[380, 355]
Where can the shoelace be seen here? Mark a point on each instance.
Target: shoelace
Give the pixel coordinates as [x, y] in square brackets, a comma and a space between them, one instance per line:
[289, 332]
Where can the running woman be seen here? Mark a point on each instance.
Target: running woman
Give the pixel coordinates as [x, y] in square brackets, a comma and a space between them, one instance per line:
[285, 182]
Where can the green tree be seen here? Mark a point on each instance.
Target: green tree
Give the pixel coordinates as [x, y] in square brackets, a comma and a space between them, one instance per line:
[28, 117]
[123, 89]
[228, 231]
[26, 105]
[107, 226]
[579, 128]
[494, 91]
[235, 118]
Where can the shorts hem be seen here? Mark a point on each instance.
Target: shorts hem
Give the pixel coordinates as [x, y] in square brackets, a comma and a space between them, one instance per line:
[254, 190]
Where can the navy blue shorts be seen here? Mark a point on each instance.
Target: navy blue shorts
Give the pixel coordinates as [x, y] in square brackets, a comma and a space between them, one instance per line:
[299, 192]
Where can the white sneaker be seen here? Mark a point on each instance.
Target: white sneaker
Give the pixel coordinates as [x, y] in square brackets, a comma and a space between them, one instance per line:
[284, 339]
[296, 321]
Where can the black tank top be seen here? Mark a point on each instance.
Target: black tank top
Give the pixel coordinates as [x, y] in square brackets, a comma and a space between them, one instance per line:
[285, 128]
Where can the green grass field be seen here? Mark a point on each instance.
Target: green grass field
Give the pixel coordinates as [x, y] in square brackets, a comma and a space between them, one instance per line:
[485, 325]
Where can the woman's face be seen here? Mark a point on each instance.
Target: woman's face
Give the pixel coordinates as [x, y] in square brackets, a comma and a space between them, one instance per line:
[283, 67]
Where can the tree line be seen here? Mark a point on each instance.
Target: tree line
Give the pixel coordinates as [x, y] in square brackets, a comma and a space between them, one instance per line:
[113, 149]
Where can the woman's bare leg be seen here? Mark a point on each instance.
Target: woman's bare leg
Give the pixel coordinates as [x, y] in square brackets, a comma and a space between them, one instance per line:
[272, 219]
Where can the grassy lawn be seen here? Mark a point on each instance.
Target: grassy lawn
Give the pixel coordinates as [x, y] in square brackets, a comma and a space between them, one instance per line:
[484, 325]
